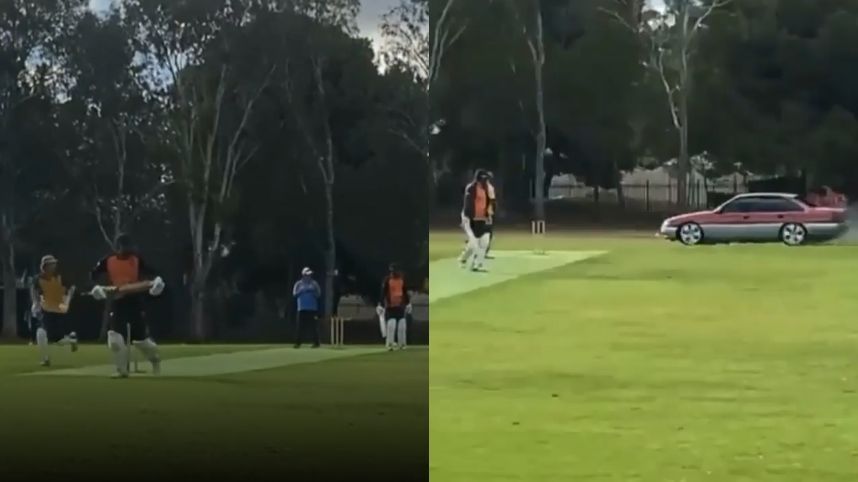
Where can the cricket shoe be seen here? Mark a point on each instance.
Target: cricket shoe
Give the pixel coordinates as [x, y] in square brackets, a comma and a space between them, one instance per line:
[119, 375]
[45, 363]
[391, 347]
[479, 269]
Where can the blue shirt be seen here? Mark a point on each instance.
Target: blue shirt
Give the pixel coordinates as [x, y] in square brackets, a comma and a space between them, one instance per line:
[307, 293]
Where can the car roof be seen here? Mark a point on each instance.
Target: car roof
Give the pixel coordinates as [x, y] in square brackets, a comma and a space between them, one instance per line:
[784, 195]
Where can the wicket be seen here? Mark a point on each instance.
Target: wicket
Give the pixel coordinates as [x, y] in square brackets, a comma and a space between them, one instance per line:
[338, 331]
[537, 233]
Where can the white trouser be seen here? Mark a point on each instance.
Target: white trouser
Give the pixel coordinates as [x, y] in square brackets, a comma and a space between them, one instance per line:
[396, 329]
[471, 244]
[116, 343]
[480, 251]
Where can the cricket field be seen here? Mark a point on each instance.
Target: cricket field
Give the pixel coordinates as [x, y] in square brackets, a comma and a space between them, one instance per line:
[628, 358]
[233, 412]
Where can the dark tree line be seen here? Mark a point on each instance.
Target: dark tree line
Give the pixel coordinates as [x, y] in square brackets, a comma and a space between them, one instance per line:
[764, 85]
[236, 140]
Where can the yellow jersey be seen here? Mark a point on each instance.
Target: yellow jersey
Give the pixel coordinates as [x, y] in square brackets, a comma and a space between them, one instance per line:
[52, 293]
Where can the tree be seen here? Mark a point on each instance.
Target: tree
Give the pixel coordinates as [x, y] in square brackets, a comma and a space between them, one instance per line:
[209, 112]
[532, 31]
[671, 37]
[112, 123]
[29, 31]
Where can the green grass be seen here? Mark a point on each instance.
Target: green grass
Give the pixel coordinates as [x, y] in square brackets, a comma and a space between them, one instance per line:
[316, 418]
[653, 362]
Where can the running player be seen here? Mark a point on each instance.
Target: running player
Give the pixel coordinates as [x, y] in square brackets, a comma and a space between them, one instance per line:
[122, 268]
[50, 304]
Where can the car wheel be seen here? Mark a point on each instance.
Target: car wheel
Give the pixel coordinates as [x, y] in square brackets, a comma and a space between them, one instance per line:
[793, 234]
[690, 234]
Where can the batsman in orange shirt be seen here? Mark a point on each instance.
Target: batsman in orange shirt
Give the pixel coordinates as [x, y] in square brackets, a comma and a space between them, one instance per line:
[395, 306]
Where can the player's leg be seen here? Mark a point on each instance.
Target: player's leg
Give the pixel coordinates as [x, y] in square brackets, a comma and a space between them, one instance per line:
[146, 345]
[300, 328]
[401, 327]
[69, 336]
[482, 235]
[119, 351]
[390, 341]
[491, 231]
[116, 340]
[317, 335]
[470, 242]
[393, 314]
[42, 341]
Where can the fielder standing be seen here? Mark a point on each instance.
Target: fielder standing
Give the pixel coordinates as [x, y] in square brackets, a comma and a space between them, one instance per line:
[476, 216]
[307, 293]
[50, 304]
[122, 268]
[396, 304]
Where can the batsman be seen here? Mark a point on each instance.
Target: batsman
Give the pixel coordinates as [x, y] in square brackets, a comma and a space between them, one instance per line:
[477, 213]
[394, 307]
[125, 280]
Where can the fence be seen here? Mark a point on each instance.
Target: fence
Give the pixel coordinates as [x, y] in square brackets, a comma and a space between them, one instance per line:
[650, 196]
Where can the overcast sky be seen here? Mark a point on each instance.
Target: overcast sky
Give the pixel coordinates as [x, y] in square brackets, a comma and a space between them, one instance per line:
[368, 20]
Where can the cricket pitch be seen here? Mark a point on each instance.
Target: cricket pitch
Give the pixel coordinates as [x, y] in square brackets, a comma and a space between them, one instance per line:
[223, 363]
[448, 279]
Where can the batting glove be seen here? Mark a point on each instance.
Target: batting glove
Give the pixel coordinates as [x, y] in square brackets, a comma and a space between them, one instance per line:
[409, 309]
[157, 287]
[99, 293]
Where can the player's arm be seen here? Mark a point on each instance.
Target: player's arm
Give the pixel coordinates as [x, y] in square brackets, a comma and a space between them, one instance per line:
[383, 301]
[296, 290]
[468, 201]
[148, 273]
[317, 289]
[35, 294]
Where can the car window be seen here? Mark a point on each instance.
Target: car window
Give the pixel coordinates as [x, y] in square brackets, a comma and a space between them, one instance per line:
[744, 205]
[778, 205]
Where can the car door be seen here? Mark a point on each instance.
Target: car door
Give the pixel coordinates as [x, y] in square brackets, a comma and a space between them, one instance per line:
[733, 222]
[773, 213]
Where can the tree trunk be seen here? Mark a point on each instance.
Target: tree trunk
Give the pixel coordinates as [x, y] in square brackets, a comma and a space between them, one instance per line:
[10, 293]
[330, 253]
[538, 51]
[682, 168]
[198, 311]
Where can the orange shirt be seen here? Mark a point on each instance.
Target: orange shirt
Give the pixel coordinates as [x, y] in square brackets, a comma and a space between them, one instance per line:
[395, 292]
[123, 271]
[481, 203]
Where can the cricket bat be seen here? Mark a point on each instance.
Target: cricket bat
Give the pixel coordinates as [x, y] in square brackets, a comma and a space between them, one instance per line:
[116, 292]
[382, 324]
[66, 304]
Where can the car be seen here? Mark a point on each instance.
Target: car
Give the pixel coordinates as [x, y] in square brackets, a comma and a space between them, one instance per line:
[758, 217]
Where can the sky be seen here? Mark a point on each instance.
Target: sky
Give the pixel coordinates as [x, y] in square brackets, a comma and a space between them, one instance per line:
[368, 20]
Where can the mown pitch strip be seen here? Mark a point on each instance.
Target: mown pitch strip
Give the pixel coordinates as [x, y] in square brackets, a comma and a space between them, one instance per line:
[447, 278]
[224, 363]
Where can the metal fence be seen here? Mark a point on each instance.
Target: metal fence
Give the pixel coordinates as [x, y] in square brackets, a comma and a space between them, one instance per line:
[650, 196]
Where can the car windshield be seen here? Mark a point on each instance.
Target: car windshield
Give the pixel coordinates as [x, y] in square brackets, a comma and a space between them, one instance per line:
[805, 201]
